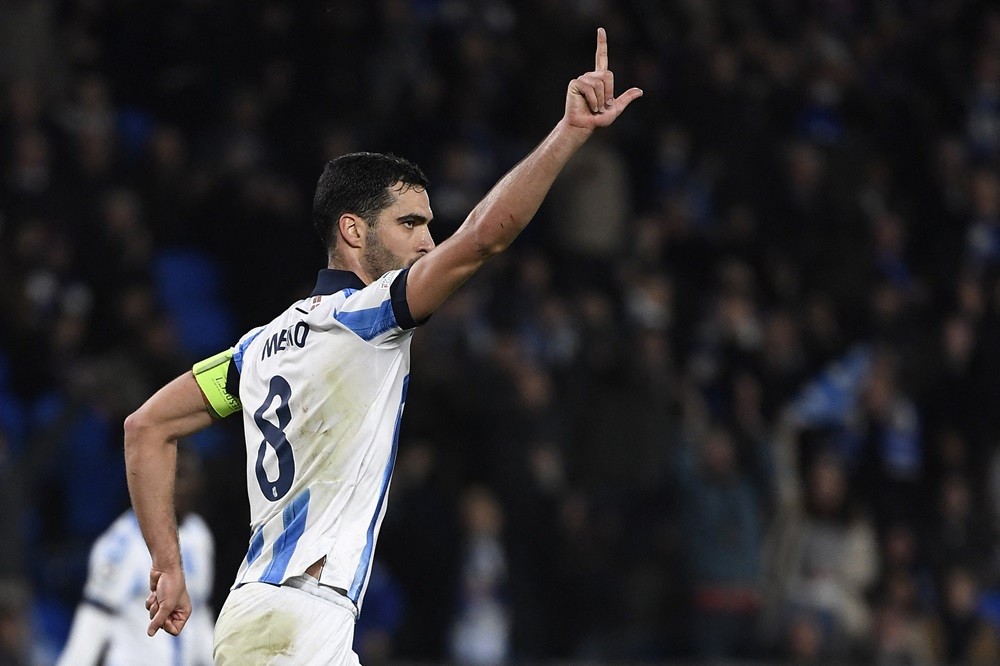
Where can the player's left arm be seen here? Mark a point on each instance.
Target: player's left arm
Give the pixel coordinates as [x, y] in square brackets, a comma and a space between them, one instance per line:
[177, 410]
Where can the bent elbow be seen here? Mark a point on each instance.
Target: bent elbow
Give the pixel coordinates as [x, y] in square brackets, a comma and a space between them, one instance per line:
[487, 247]
[489, 250]
[491, 233]
[136, 424]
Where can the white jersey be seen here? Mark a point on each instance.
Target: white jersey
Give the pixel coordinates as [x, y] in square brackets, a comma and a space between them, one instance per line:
[323, 387]
[113, 611]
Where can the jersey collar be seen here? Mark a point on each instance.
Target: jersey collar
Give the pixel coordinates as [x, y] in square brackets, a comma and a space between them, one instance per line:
[332, 280]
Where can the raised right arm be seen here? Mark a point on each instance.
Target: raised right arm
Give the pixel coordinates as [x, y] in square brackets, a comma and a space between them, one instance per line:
[506, 210]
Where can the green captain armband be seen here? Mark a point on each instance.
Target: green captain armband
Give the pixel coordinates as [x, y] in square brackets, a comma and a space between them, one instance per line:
[212, 375]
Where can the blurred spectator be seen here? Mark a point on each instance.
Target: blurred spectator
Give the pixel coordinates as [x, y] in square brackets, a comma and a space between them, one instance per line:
[480, 632]
[953, 404]
[806, 640]
[29, 45]
[960, 635]
[983, 243]
[824, 557]
[900, 638]
[889, 457]
[959, 533]
[15, 632]
[722, 518]
[904, 599]
[425, 559]
[375, 634]
[12, 562]
[590, 204]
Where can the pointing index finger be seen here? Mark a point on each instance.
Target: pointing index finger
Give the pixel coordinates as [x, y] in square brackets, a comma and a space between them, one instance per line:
[601, 57]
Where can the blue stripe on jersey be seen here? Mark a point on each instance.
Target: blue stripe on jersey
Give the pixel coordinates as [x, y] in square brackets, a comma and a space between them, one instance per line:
[294, 520]
[238, 354]
[370, 322]
[366, 557]
[256, 546]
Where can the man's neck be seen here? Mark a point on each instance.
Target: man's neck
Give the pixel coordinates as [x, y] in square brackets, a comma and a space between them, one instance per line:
[339, 263]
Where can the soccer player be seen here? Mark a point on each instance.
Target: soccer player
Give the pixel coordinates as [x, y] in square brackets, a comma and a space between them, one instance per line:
[322, 389]
[110, 619]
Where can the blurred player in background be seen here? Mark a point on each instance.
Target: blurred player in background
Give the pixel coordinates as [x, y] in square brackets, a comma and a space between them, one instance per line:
[108, 625]
[322, 389]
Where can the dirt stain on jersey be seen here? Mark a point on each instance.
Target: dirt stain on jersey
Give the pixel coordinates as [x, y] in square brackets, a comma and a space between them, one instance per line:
[259, 640]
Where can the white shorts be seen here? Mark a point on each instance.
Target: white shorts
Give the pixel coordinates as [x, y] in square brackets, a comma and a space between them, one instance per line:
[300, 623]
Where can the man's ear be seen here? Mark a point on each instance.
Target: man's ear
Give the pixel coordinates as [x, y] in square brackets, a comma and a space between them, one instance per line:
[352, 229]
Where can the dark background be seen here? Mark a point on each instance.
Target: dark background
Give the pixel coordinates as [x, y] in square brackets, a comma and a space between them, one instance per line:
[734, 393]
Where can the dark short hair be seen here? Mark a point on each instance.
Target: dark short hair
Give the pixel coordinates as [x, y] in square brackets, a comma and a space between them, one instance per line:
[359, 183]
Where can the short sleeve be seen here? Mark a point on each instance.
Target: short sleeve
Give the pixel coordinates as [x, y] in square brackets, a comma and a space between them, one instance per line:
[379, 313]
[214, 376]
[219, 376]
[241, 347]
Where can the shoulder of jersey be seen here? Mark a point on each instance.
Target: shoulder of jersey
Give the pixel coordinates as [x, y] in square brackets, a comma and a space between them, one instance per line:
[120, 536]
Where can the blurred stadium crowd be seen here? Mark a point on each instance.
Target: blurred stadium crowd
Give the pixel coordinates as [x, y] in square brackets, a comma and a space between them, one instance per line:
[734, 393]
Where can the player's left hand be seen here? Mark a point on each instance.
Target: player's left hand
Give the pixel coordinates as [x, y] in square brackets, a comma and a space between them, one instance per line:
[590, 100]
[168, 603]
